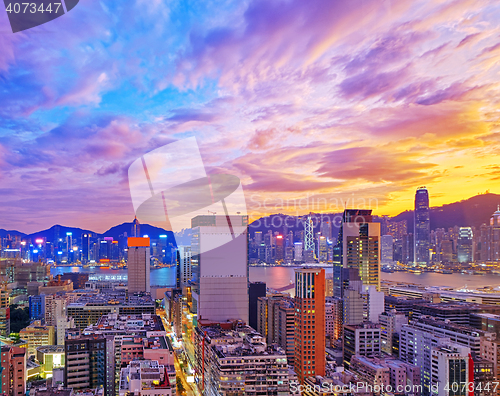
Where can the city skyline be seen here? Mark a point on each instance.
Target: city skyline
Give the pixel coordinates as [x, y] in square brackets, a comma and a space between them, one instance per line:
[368, 100]
[302, 213]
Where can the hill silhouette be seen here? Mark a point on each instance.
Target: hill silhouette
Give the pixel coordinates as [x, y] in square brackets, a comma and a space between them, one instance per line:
[470, 212]
[60, 231]
[146, 229]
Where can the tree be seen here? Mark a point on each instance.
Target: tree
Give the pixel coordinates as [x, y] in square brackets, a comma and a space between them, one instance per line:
[180, 386]
[19, 318]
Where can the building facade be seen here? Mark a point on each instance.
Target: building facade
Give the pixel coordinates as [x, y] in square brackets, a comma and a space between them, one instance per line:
[238, 362]
[138, 265]
[220, 267]
[310, 337]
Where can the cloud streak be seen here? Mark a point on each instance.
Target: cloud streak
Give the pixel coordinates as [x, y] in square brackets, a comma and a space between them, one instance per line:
[328, 97]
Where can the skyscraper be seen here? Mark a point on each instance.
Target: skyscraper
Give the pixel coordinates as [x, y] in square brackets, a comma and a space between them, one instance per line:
[489, 239]
[279, 248]
[308, 239]
[322, 249]
[136, 228]
[185, 264]
[310, 323]
[387, 249]
[408, 248]
[422, 227]
[86, 247]
[138, 265]
[69, 246]
[220, 267]
[298, 251]
[325, 228]
[85, 363]
[464, 245]
[358, 246]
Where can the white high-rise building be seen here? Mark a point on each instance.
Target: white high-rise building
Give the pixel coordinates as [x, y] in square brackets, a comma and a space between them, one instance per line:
[373, 303]
[63, 323]
[220, 270]
[138, 265]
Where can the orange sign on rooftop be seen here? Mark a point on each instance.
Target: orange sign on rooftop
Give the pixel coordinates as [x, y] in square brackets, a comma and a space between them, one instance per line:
[138, 242]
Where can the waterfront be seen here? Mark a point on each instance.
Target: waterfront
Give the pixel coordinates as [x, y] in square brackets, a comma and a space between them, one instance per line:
[278, 277]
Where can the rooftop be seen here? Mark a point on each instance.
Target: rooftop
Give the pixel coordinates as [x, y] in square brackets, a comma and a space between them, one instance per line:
[372, 363]
[44, 391]
[148, 374]
[113, 298]
[448, 325]
[458, 305]
[51, 349]
[487, 315]
[243, 341]
[144, 321]
[366, 325]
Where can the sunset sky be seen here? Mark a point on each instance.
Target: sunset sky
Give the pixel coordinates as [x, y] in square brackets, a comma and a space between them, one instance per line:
[363, 100]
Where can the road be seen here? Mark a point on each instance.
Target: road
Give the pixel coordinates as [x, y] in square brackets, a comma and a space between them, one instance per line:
[190, 388]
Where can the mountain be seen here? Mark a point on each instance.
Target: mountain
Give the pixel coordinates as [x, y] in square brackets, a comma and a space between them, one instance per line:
[4, 233]
[60, 231]
[57, 231]
[470, 212]
[146, 229]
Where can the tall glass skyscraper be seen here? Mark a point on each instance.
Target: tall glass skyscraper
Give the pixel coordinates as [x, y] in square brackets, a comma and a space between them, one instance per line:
[358, 247]
[422, 227]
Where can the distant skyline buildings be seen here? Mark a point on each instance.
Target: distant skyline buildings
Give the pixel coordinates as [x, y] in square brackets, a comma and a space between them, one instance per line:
[65, 245]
